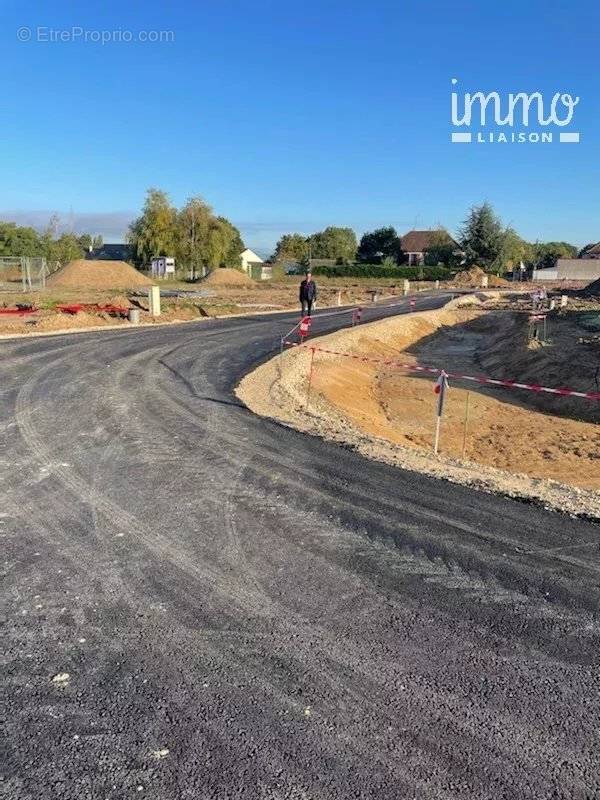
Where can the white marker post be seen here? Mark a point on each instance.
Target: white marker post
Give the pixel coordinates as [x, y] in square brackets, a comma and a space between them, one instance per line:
[440, 389]
[154, 301]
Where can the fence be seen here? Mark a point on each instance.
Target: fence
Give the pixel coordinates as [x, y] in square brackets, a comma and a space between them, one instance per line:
[23, 273]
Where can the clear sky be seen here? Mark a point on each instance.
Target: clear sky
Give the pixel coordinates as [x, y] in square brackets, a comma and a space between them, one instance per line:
[292, 116]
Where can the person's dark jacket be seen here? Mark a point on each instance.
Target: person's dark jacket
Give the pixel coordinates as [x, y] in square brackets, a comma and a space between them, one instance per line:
[308, 291]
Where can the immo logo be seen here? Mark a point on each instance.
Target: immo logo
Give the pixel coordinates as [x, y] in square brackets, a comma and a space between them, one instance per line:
[513, 119]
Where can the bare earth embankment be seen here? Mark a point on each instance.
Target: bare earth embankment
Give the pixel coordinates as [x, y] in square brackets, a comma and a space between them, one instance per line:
[517, 443]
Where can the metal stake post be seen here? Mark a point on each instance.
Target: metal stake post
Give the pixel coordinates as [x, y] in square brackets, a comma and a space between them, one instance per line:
[464, 447]
[441, 386]
[437, 435]
[310, 376]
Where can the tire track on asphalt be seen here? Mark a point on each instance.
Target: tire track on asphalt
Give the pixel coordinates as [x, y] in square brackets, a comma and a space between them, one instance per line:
[381, 718]
[479, 583]
[225, 504]
[121, 520]
[476, 581]
[444, 572]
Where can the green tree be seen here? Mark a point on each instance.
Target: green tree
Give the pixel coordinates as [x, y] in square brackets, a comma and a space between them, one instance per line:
[442, 250]
[19, 241]
[514, 250]
[97, 242]
[85, 241]
[193, 224]
[217, 244]
[380, 243]
[334, 242]
[154, 233]
[546, 254]
[235, 245]
[291, 247]
[63, 249]
[482, 236]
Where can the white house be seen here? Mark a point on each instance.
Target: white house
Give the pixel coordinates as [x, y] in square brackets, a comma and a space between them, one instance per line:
[249, 258]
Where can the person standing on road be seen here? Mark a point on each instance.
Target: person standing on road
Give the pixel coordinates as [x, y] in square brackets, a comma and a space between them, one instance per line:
[308, 294]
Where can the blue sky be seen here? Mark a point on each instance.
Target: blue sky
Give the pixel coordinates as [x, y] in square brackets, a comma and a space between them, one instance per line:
[292, 116]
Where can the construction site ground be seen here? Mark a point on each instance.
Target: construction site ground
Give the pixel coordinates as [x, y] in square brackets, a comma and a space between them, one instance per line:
[185, 301]
[195, 301]
[522, 443]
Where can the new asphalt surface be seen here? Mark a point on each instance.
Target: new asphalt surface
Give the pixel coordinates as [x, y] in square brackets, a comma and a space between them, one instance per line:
[200, 603]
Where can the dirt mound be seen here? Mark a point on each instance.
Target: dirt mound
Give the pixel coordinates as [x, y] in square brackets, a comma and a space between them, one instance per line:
[474, 277]
[97, 275]
[591, 290]
[227, 277]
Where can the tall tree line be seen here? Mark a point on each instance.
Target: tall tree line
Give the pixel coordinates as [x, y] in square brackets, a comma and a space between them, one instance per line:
[482, 240]
[24, 241]
[489, 244]
[332, 242]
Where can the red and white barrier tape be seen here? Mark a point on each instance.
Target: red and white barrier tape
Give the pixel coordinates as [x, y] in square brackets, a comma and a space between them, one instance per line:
[482, 379]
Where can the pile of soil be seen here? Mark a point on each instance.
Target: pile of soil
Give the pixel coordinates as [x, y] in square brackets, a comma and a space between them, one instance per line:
[591, 290]
[227, 277]
[474, 277]
[97, 275]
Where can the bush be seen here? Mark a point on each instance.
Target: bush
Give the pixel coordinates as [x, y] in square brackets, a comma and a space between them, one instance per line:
[378, 271]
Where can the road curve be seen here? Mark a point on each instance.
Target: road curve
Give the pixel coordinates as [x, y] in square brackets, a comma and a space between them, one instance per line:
[201, 603]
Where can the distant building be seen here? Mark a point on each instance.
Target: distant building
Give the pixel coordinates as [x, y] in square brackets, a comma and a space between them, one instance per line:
[249, 258]
[415, 245]
[111, 252]
[570, 269]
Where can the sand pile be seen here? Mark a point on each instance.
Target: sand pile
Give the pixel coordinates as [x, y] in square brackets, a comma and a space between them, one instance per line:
[97, 275]
[227, 277]
[474, 277]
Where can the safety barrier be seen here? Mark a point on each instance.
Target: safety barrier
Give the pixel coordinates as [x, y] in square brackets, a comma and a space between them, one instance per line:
[482, 379]
[457, 405]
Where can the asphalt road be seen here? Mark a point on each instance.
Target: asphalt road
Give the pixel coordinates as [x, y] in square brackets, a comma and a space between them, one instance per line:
[244, 611]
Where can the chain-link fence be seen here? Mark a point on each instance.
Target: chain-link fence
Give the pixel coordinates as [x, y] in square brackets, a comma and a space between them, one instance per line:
[23, 273]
